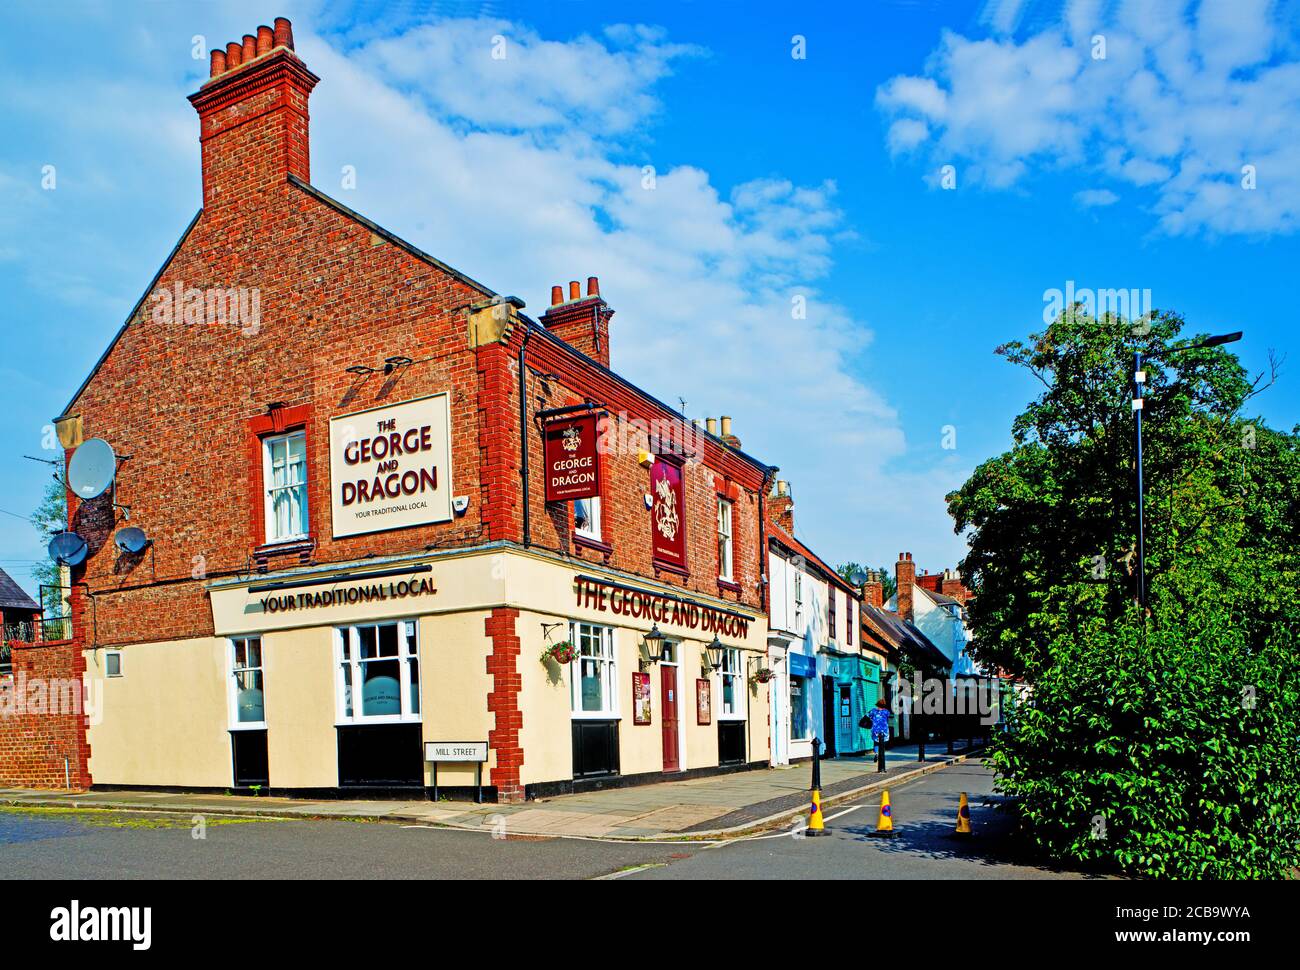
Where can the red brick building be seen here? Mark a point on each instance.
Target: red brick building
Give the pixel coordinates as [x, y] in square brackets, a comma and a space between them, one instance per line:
[337, 447]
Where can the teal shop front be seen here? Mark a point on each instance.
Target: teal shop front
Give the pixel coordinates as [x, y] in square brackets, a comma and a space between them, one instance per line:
[857, 687]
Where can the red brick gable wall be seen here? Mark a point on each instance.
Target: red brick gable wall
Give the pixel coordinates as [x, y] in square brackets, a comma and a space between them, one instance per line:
[179, 399]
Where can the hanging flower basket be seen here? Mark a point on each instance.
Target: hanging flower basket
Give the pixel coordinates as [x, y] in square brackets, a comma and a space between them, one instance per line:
[764, 675]
[561, 653]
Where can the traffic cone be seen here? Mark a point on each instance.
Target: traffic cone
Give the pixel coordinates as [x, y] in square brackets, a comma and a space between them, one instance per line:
[963, 817]
[885, 827]
[815, 824]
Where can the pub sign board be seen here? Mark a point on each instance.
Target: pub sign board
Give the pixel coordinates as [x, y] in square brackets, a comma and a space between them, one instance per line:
[572, 462]
[390, 467]
[667, 513]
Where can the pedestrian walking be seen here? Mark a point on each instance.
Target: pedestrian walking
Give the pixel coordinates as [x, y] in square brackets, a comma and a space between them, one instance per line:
[878, 720]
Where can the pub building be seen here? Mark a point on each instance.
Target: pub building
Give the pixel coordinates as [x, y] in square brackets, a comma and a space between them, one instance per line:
[394, 520]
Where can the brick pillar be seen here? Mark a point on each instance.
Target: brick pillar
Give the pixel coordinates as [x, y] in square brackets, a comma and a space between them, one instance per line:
[503, 701]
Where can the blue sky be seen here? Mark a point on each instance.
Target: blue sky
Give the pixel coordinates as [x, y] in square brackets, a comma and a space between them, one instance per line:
[775, 178]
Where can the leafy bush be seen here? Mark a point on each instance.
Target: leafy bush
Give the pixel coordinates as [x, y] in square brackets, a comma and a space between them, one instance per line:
[1177, 759]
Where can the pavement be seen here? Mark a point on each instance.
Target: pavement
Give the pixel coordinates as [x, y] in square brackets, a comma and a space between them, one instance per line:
[719, 806]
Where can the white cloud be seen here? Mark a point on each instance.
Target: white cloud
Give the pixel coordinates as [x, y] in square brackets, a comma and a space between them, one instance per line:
[1095, 198]
[1183, 101]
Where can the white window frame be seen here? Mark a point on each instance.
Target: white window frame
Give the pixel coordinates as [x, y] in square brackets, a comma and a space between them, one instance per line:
[592, 529]
[798, 591]
[232, 692]
[269, 489]
[726, 540]
[733, 668]
[608, 658]
[408, 649]
[120, 669]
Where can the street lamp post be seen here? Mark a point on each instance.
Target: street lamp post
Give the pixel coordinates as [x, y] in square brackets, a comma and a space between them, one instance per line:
[1139, 381]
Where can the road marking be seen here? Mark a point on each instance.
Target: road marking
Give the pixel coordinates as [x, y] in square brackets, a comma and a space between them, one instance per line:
[851, 808]
[630, 872]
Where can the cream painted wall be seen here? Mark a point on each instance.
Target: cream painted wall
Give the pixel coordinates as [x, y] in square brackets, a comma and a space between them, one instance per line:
[298, 679]
[454, 687]
[165, 719]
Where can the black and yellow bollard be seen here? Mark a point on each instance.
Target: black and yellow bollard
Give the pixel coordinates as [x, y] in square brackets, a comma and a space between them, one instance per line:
[816, 825]
[963, 816]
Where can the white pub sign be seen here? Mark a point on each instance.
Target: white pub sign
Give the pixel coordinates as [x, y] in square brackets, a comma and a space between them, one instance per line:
[390, 467]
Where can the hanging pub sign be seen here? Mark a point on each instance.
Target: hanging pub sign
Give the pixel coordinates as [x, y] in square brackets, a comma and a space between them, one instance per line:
[572, 463]
[668, 513]
[390, 467]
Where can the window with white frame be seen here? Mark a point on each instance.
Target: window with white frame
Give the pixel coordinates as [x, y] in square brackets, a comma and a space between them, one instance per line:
[798, 592]
[378, 677]
[247, 707]
[112, 663]
[595, 675]
[586, 517]
[285, 475]
[725, 549]
[733, 684]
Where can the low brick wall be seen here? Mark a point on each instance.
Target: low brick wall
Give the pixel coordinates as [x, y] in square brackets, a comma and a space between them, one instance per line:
[43, 719]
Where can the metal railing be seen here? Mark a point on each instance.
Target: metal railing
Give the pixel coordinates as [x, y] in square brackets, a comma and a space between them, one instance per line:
[38, 631]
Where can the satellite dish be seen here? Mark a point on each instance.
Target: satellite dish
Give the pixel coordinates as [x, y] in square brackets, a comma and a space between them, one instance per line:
[132, 541]
[68, 549]
[92, 468]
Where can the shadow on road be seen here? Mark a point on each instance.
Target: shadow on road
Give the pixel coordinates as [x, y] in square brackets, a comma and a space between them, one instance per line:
[994, 840]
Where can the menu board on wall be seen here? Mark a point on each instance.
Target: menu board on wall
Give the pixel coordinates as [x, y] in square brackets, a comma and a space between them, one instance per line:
[640, 697]
[668, 513]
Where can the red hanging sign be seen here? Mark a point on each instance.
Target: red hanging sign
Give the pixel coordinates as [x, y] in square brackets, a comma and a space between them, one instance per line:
[668, 513]
[572, 462]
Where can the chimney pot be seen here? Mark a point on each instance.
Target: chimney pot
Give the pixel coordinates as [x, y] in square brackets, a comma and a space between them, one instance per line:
[283, 33]
[250, 47]
[234, 55]
[575, 290]
[726, 426]
[218, 63]
[593, 286]
[712, 425]
[557, 295]
[265, 39]
[782, 487]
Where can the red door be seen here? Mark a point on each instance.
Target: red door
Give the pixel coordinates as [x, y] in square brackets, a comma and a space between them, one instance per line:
[668, 691]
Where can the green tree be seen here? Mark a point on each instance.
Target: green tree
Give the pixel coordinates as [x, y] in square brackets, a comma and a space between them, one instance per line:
[51, 516]
[1167, 744]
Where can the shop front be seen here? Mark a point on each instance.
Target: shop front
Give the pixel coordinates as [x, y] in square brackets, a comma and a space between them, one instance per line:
[341, 679]
[805, 704]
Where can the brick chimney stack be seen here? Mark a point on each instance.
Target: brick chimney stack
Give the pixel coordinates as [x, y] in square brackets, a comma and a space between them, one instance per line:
[951, 585]
[582, 322]
[253, 117]
[780, 507]
[905, 574]
[873, 590]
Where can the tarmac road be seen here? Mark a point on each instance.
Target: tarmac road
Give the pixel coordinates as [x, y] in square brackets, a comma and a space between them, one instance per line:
[88, 844]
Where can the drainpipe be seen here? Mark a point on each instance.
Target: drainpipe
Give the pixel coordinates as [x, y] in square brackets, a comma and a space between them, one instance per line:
[523, 434]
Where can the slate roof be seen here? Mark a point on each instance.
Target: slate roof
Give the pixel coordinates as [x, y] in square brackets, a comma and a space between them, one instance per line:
[12, 596]
[905, 637]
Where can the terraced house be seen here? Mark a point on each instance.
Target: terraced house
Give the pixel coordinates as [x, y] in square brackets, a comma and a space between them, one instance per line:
[395, 531]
